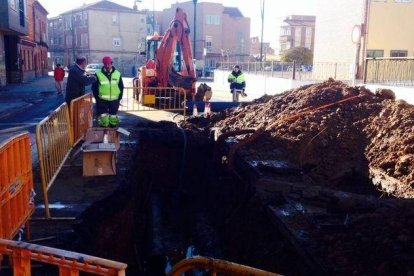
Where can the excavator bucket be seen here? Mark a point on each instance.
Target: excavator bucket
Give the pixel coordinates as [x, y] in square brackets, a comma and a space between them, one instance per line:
[177, 80]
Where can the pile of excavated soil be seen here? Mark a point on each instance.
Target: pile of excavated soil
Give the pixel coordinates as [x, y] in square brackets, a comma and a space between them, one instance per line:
[365, 133]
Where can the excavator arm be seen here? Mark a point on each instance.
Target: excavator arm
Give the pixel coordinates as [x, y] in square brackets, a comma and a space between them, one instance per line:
[174, 60]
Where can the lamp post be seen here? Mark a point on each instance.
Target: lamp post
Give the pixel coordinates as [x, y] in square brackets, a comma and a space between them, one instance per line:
[195, 20]
[153, 16]
[261, 39]
[356, 39]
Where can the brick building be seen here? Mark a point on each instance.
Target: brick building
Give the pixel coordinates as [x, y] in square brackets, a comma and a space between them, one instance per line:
[222, 33]
[33, 47]
[255, 48]
[97, 30]
[13, 23]
[23, 41]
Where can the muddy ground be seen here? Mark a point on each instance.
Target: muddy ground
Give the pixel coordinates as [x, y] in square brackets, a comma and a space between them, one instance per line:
[319, 189]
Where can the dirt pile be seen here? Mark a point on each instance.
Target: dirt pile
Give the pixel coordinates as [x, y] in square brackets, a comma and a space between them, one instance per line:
[349, 137]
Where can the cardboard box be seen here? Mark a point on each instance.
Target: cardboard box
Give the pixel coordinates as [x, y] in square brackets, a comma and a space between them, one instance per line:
[99, 154]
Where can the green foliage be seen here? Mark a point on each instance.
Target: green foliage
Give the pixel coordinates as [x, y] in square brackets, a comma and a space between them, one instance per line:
[299, 54]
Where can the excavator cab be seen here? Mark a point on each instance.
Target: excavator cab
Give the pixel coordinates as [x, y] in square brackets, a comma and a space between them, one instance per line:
[152, 45]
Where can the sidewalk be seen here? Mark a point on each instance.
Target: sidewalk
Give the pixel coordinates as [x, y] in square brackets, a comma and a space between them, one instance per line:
[19, 96]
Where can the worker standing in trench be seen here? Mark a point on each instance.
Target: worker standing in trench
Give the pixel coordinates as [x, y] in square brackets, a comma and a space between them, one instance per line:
[237, 83]
[108, 92]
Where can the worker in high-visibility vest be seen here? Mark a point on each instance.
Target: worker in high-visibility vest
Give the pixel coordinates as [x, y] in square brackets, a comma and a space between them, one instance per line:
[108, 92]
[237, 83]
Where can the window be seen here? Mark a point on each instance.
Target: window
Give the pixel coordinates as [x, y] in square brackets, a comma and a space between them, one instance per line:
[298, 37]
[69, 41]
[12, 4]
[308, 38]
[212, 19]
[114, 19]
[398, 53]
[22, 15]
[375, 53]
[209, 43]
[116, 42]
[84, 39]
[285, 31]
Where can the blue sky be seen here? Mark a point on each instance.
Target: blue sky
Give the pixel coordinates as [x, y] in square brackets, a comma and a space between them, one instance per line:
[275, 11]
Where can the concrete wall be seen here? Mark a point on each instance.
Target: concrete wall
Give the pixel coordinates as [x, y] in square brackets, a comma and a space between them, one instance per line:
[10, 17]
[130, 28]
[334, 23]
[259, 85]
[391, 27]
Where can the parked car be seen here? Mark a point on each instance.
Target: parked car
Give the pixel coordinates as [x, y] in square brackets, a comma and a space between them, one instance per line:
[91, 68]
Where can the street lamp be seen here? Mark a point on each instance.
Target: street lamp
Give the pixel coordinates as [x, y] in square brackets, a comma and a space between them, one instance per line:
[261, 40]
[195, 19]
[356, 39]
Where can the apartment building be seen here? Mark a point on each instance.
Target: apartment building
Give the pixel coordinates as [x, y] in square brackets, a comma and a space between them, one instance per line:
[297, 31]
[97, 30]
[222, 33]
[56, 40]
[13, 23]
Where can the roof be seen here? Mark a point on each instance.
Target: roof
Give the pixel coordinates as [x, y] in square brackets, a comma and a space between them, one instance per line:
[39, 6]
[233, 12]
[102, 5]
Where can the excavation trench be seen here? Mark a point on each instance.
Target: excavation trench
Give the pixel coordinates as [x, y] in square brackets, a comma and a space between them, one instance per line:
[326, 189]
[177, 201]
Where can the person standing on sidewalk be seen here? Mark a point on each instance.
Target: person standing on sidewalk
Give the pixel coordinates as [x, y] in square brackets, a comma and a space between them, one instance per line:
[237, 83]
[108, 92]
[59, 74]
[77, 80]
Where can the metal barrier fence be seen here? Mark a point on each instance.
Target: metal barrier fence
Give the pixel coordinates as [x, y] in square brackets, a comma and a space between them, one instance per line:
[215, 266]
[269, 68]
[69, 263]
[391, 71]
[291, 70]
[81, 116]
[16, 184]
[54, 142]
[153, 98]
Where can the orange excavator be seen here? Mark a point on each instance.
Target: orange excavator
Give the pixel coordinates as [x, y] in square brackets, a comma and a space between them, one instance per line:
[169, 58]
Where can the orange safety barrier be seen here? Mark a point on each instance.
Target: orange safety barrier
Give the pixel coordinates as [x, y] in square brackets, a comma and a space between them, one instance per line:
[81, 116]
[215, 266]
[54, 143]
[16, 184]
[153, 99]
[69, 263]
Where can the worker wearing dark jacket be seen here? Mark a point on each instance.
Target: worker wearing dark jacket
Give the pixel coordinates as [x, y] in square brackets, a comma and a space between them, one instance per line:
[237, 82]
[77, 80]
[108, 92]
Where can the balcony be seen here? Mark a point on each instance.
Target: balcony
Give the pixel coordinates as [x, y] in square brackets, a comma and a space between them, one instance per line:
[12, 20]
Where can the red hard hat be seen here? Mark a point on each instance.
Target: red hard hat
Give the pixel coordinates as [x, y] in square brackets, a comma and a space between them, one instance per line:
[106, 60]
